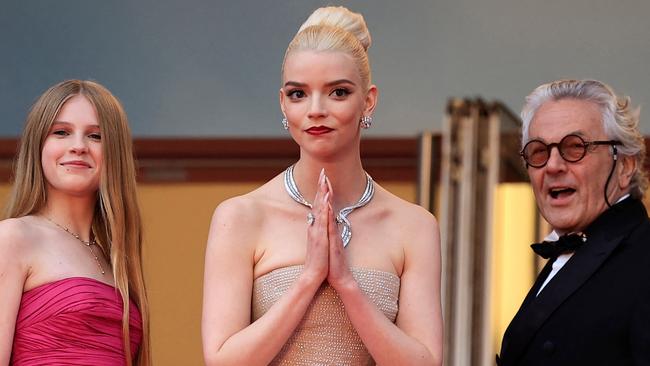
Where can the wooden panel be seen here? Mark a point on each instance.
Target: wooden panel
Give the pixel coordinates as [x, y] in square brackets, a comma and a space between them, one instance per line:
[243, 160]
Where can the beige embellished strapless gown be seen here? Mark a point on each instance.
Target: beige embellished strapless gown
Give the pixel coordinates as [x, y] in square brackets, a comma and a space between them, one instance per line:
[325, 335]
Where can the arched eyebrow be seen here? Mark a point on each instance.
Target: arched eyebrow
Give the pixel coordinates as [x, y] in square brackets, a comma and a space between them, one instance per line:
[340, 81]
[330, 83]
[295, 83]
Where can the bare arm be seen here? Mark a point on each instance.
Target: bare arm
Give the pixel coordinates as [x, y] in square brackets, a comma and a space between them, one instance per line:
[13, 273]
[228, 336]
[416, 338]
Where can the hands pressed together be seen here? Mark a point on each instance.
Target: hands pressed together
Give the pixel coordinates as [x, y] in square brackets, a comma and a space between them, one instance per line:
[325, 253]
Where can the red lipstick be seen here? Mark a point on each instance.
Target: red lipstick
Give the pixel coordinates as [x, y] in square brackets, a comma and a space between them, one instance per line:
[319, 130]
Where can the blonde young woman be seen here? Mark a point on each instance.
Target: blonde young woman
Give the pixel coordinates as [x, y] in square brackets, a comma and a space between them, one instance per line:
[321, 265]
[72, 289]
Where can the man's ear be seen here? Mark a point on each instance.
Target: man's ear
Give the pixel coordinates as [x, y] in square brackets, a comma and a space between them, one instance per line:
[626, 171]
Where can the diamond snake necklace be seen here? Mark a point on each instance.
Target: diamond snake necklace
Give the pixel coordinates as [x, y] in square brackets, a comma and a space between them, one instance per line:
[342, 217]
[88, 243]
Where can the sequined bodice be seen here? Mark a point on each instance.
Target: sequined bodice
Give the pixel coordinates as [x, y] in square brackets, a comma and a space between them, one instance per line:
[325, 336]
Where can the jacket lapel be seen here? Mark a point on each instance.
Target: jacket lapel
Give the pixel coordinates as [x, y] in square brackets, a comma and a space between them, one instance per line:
[604, 235]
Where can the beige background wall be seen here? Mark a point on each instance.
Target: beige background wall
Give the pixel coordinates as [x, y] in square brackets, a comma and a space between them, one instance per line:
[176, 219]
[176, 222]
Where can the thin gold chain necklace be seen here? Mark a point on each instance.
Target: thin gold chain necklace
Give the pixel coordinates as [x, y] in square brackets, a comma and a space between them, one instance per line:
[88, 243]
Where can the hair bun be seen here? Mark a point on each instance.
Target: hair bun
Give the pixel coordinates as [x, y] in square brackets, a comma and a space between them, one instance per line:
[341, 17]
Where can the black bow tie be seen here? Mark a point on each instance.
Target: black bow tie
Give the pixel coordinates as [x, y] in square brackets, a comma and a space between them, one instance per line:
[567, 243]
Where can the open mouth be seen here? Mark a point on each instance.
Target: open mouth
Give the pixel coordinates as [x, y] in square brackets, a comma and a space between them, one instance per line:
[560, 192]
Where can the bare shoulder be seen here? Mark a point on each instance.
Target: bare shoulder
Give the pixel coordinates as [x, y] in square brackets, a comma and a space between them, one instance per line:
[418, 233]
[16, 233]
[236, 209]
[407, 214]
[17, 241]
[415, 228]
[248, 208]
[235, 217]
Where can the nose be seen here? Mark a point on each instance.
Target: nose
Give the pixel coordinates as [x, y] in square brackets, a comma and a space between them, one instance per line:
[556, 162]
[79, 145]
[317, 107]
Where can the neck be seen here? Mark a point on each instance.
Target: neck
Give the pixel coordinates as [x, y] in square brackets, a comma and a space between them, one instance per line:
[616, 196]
[72, 212]
[346, 175]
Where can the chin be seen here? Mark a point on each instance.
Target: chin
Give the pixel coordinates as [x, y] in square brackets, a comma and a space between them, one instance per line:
[559, 223]
[77, 190]
[324, 152]
[568, 226]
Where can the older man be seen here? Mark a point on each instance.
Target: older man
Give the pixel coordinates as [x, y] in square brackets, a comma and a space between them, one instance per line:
[590, 305]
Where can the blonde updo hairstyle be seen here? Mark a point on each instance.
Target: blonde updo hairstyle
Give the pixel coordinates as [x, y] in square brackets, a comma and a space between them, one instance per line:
[335, 29]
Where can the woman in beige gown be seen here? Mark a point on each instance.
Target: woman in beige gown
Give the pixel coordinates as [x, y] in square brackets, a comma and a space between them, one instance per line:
[321, 265]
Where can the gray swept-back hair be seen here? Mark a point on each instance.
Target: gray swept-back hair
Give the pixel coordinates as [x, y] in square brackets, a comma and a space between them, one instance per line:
[620, 121]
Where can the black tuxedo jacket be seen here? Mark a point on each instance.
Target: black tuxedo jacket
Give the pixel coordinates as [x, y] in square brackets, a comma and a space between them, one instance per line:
[596, 310]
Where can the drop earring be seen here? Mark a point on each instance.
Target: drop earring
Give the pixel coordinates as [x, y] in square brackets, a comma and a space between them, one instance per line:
[366, 122]
[285, 123]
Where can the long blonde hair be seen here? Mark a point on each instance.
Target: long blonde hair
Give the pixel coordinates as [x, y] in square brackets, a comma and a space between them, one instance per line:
[116, 225]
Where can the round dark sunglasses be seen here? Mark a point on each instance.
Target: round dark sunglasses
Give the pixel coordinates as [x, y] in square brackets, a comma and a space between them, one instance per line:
[572, 148]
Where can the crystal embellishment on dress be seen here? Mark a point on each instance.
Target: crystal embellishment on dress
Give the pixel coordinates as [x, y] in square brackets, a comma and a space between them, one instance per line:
[342, 216]
[325, 335]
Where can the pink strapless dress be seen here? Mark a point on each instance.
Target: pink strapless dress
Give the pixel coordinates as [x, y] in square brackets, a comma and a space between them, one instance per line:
[74, 321]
